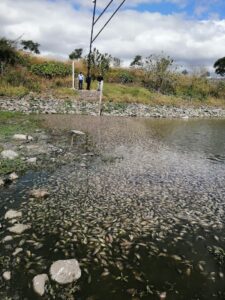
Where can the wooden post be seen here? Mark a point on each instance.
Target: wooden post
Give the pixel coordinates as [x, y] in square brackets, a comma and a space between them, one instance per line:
[73, 74]
[100, 97]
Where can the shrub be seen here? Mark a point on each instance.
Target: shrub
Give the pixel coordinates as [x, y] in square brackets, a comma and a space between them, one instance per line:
[126, 78]
[51, 69]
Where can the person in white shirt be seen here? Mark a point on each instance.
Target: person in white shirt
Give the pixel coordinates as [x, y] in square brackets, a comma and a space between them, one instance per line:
[80, 79]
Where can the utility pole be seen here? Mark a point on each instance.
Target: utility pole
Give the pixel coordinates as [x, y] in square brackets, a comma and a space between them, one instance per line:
[93, 38]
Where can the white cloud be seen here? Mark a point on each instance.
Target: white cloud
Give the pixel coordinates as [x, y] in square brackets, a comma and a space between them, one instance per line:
[60, 28]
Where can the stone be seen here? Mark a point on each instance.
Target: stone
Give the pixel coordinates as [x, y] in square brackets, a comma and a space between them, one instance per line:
[22, 137]
[1, 182]
[32, 160]
[65, 271]
[13, 176]
[17, 251]
[7, 238]
[9, 154]
[7, 275]
[13, 214]
[39, 193]
[39, 282]
[77, 132]
[19, 228]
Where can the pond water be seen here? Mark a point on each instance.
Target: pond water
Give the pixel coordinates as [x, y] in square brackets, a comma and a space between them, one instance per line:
[141, 207]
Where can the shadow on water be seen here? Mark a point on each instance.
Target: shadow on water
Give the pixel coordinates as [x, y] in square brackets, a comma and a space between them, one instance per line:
[142, 211]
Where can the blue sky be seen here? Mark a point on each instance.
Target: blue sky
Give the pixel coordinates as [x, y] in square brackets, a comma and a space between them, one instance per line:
[198, 9]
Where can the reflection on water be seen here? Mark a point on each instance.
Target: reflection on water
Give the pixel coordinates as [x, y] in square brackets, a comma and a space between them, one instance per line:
[143, 213]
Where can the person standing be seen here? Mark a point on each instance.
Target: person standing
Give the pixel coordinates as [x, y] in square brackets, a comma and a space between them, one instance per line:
[88, 81]
[80, 79]
[99, 79]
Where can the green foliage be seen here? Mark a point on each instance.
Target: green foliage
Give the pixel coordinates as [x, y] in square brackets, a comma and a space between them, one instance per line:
[31, 46]
[76, 54]
[126, 78]
[51, 69]
[8, 166]
[158, 74]
[100, 63]
[220, 66]
[8, 53]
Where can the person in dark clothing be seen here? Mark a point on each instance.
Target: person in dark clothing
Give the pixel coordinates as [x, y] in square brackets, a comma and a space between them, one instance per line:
[99, 79]
[88, 81]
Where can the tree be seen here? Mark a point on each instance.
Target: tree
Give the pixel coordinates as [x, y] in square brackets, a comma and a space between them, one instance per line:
[137, 61]
[116, 62]
[8, 53]
[100, 63]
[76, 54]
[184, 72]
[158, 73]
[30, 46]
[219, 66]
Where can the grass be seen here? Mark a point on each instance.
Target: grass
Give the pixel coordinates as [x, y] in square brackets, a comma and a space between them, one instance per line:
[13, 122]
[13, 91]
[64, 92]
[8, 166]
[120, 93]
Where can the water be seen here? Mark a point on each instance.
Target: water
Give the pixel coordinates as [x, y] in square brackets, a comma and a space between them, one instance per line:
[141, 207]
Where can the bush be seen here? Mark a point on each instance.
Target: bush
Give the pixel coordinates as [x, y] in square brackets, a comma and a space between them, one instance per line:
[51, 69]
[126, 78]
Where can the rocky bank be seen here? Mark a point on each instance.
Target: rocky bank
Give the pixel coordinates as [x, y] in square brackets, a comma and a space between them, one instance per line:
[87, 103]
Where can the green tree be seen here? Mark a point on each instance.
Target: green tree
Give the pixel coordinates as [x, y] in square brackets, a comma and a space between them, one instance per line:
[100, 63]
[30, 46]
[137, 61]
[76, 54]
[219, 66]
[8, 53]
[158, 75]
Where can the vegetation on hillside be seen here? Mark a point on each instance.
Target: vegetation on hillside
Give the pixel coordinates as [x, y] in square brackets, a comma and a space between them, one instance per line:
[152, 80]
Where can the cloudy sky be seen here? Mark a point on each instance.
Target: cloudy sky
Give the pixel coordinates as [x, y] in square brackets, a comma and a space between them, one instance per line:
[190, 31]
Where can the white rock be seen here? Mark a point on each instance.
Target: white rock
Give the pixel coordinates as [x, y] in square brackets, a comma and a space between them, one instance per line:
[7, 238]
[17, 251]
[32, 160]
[6, 275]
[13, 214]
[13, 176]
[22, 137]
[1, 182]
[39, 284]
[65, 271]
[39, 193]
[18, 228]
[9, 154]
[77, 132]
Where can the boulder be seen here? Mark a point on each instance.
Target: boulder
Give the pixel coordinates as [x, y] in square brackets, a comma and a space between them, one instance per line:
[13, 214]
[7, 238]
[9, 154]
[39, 193]
[17, 251]
[7, 275]
[22, 137]
[39, 284]
[13, 176]
[19, 228]
[65, 271]
[77, 132]
[32, 160]
[1, 182]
